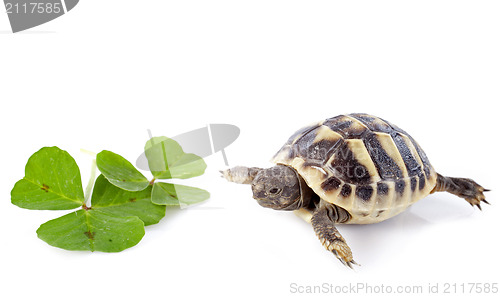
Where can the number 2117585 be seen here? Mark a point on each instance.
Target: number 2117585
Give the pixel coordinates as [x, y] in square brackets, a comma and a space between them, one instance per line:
[33, 8]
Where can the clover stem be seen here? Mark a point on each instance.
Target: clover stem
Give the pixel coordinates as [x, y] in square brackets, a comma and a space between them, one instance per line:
[151, 182]
[90, 185]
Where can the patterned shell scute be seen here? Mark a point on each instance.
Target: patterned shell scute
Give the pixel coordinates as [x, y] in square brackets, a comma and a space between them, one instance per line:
[362, 163]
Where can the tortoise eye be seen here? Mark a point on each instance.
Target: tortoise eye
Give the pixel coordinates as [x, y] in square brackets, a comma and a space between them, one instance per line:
[274, 190]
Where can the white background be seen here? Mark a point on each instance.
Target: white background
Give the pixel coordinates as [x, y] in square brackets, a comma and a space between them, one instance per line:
[100, 76]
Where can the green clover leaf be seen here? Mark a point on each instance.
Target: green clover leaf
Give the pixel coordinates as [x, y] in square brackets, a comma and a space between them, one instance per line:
[111, 199]
[123, 200]
[92, 230]
[167, 160]
[120, 172]
[52, 181]
[177, 195]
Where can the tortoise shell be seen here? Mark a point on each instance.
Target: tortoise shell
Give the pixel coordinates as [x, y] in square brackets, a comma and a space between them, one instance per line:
[362, 163]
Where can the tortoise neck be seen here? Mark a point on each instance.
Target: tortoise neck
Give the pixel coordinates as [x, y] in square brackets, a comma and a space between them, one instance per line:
[306, 194]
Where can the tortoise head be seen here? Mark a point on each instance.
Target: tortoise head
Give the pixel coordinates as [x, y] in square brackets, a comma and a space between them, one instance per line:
[280, 187]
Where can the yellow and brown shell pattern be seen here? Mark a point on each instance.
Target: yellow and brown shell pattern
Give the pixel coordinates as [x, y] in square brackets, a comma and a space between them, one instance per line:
[364, 164]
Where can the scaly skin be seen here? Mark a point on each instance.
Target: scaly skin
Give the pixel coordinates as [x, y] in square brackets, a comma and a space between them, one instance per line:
[462, 187]
[323, 221]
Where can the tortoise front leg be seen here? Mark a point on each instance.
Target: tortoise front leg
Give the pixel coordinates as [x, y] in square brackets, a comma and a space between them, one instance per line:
[323, 221]
[240, 174]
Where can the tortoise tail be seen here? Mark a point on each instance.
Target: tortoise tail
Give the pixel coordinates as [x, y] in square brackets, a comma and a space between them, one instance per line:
[465, 188]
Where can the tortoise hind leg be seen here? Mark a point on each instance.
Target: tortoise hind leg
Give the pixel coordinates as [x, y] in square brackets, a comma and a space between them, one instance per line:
[323, 221]
[462, 187]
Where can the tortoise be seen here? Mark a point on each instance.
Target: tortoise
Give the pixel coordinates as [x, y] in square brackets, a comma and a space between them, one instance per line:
[349, 169]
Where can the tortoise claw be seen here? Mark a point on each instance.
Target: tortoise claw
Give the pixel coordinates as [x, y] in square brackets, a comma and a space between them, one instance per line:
[344, 260]
[476, 196]
[475, 202]
[349, 264]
